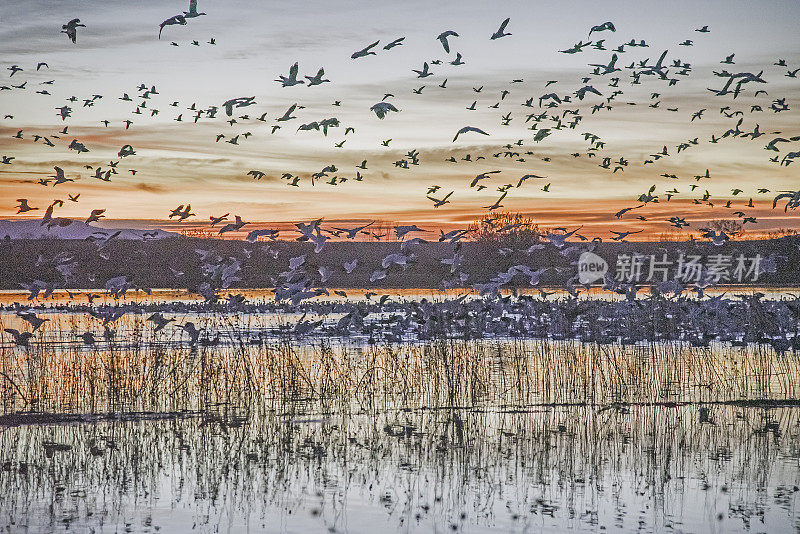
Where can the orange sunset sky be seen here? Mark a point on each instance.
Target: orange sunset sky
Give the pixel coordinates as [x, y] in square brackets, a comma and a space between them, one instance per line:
[194, 162]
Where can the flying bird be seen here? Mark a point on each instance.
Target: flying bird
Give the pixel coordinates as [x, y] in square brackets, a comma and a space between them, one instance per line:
[382, 108]
[71, 29]
[177, 19]
[366, 51]
[602, 27]
[467, 129]
[24, 206]
[501, 31]
[192, 13]
[443, 39]
[96, 215]
[288, 81]
[396, 42]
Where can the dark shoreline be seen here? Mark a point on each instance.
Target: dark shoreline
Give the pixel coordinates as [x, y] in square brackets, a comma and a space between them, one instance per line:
[147, 264]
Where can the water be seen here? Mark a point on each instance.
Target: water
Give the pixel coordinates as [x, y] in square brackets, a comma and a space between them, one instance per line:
[638, 469]
[147, 432]
[161, 296]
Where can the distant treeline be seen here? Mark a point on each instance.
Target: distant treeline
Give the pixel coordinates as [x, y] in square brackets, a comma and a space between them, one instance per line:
[159, 263]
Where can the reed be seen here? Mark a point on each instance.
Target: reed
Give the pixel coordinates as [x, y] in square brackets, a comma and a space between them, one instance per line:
[139, 369]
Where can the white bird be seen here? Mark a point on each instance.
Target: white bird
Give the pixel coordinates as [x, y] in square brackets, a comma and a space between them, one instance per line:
[350, 266]
[324, 273]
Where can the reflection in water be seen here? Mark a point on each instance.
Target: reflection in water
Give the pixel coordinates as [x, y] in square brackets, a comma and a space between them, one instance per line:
[307, 469]
[145, 432]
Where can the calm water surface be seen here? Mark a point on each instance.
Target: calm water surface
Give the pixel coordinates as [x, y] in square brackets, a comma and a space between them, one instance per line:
[147, 434]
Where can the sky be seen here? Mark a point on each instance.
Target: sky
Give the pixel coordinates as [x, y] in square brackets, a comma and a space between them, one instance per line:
[186, 162]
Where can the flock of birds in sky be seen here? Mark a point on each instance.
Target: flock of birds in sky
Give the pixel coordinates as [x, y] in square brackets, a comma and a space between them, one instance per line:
[556, 110]
[544, 116]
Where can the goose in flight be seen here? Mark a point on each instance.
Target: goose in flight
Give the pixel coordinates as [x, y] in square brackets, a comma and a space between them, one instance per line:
[316, 80]
[20, 338]
[482, 176]
[352, 232]
[440, 202]
[620, 236]
[497, 203]
[192, 330]
[177, 19]
[580, 93]
[291, 79]
[602, 27]
[96, 215]
[232, 227]
[401, 230]
[396, 42]
[270, 234]
[717, 239]
[350, 266]
[792, 202]
[24, 206]
[559, 240]
[366, 51]
[71, 29]
[382, 108]
[239, 102]
[192, 13]
[159, 320]
[528, 176]
[443, 39]
[467, 129]
[181, 213]
[287, 116]
[60, 177]
[217, 220]
[32, 319]
[425, 72]
[501, 31]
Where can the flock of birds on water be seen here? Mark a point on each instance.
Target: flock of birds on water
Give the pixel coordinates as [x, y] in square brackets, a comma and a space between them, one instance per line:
[743, 96]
